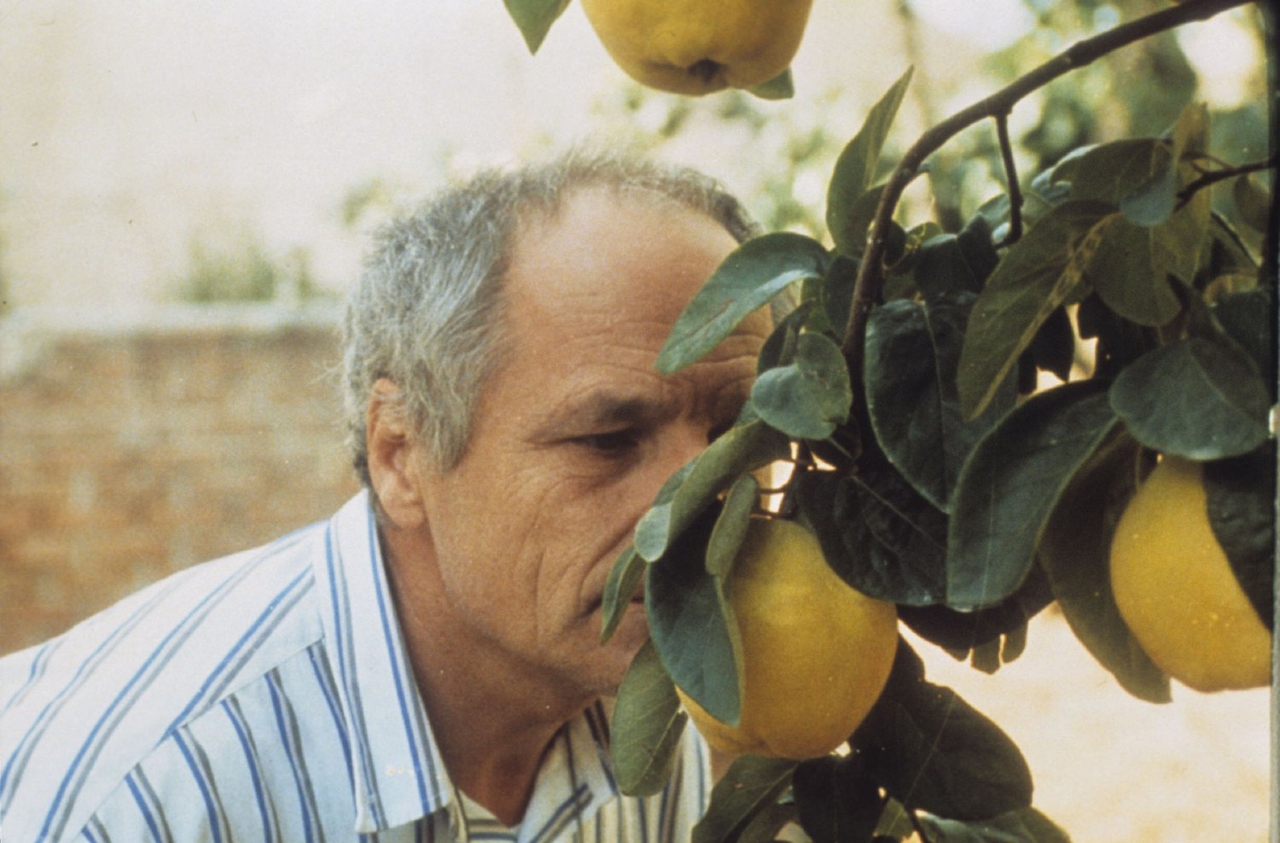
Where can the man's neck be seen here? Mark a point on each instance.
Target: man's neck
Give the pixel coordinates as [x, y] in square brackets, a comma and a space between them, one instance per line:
[493, 720]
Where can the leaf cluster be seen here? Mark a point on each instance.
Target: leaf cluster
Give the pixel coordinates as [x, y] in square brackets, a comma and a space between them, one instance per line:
[1009, 396]
[961, 434]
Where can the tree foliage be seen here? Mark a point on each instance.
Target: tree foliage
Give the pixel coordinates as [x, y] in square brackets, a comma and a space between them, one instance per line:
[966, 403]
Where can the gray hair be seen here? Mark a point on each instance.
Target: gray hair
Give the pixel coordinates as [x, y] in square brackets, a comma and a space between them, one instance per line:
[426, 313]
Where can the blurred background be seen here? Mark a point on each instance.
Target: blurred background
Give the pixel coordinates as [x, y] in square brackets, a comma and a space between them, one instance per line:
[185, 191]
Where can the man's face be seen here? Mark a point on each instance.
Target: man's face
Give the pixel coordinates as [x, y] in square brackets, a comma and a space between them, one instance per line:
[575, 432]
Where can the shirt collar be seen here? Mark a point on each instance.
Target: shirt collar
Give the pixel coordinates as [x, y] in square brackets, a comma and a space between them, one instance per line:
[397, 773]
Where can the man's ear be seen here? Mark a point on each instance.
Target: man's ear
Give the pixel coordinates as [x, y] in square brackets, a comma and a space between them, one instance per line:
[395, 457]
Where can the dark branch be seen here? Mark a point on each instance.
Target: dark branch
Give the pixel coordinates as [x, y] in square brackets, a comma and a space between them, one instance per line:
[1011, 178]
[1216, 176]
[870, 273]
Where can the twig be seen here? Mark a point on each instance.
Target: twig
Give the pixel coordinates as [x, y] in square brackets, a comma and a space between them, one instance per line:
[1222, 175]
[870, 273]
[1011, 177]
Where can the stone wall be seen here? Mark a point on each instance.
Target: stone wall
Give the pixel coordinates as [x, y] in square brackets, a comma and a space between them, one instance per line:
[132, 452]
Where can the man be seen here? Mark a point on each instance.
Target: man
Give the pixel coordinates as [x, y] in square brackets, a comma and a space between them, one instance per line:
[426, 664]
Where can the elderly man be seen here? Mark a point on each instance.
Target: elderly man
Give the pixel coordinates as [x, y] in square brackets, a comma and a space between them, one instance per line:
[425, 665]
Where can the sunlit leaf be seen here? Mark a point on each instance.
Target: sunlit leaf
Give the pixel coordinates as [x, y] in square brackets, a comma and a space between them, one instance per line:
[807, 398]
[534, 18]
[747, 280]
[646, 726]
[1195, 398]
[1075, 551]
[1037, 275]
[856, 169]
[1010, 485]
[750, 786]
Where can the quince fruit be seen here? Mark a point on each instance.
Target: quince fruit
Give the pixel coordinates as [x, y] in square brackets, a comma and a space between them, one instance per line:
[1175, 588]
[816, 653]
[700, 46]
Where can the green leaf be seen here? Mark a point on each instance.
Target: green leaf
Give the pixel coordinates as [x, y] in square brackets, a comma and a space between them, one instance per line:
[807, 398]
[932, 751]
[1026, 825]
[1075, 555]
[1253, 202]
[746, 281]
[912, 356]
[624, 578]
[856, 169]
[1241, 502]
[1037, 275]
[1154, 201]
[1119, 341]
[698, 645]
[780, 87]
[534, 18]
[646, 726]
[765, 825]
[779, 348]
[1195, 398]
[1131, 264]
[837, 293]
[751, 785]
[1010, 485]
[854, 516]
[744, 448]
[837, 801]
[1111, 172]
[731, 526]
[961, 632]
[1246, 318]
[948, 265]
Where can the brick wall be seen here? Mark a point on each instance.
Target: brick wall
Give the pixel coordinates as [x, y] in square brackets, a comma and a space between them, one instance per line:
[127, 454]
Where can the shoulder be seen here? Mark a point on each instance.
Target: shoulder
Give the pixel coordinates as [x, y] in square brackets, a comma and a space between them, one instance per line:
[81, 712]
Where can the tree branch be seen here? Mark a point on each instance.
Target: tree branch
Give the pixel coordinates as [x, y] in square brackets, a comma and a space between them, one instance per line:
[870, 278]
[1011, 178]
[1216, 176]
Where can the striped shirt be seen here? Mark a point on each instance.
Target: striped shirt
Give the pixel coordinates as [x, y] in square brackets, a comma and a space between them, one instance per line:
[266, 696]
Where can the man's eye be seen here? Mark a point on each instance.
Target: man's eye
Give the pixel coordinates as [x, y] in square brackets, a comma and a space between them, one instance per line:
[612, 443]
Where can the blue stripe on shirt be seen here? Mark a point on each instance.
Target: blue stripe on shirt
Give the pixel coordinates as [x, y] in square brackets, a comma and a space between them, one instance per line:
[236, 716]
[342, 626]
